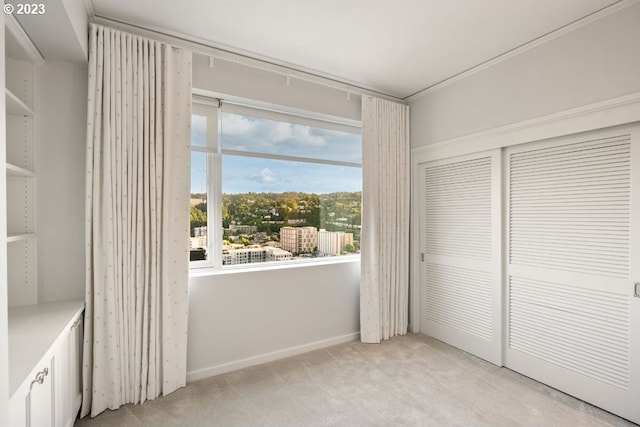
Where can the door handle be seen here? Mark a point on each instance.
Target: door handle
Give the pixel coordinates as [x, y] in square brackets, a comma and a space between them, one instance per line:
[40, 377]
[637, 290]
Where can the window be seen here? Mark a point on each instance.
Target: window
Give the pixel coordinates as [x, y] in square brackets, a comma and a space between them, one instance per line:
[271, 186]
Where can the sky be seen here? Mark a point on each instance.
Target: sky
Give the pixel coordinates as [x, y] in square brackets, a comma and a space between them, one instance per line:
[244, 174]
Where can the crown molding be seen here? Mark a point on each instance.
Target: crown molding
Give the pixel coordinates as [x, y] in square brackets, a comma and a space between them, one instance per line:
[595, 16]
[91, 13]
[249, 59]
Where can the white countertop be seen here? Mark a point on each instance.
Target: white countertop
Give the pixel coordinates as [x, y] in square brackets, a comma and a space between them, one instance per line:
[33, 329]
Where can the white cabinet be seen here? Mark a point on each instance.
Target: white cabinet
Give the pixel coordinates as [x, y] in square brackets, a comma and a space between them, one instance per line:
[68, 380]
[45, 347]
[32, 404]
[44, 339]
[40, 398]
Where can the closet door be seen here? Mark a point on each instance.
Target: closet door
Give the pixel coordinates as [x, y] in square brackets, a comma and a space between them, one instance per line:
[573, 237]
[460, 288]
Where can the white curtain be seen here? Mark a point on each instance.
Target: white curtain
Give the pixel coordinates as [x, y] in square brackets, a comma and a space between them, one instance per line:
[137, 207]
[384, 288]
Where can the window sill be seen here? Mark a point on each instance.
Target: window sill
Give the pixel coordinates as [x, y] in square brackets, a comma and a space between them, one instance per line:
[283, 265]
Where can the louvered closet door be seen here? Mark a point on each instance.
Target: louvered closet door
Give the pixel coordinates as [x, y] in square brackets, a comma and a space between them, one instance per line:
[460, 240]
[573, 249]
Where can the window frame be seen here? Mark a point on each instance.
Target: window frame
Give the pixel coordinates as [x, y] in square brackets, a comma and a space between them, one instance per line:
[212, 109]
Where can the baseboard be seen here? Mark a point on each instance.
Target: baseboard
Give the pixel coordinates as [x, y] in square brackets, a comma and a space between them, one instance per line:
[268, 357]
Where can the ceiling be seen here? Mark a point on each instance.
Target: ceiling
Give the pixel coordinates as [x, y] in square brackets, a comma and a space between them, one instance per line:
[397, 47]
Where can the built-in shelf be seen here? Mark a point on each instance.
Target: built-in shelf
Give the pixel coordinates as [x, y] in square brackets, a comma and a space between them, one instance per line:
[16, 106]
[19, 237]
[13, 170]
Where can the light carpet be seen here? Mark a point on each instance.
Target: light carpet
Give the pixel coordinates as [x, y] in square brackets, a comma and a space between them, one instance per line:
[408, 380]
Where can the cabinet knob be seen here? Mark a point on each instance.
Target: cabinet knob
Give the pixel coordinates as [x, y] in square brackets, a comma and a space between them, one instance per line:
[39, 379]
[76, 323]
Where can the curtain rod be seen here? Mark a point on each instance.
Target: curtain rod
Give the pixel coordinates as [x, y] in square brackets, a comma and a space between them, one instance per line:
[204, 48]
[218, 100]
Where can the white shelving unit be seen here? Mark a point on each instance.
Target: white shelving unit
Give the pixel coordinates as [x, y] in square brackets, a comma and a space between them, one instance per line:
[44, 338]
[20, 237]
[13, 170]
[22, 60]
[15, 106]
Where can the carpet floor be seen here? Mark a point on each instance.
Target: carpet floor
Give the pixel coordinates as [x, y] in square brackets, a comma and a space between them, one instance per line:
[408, 380]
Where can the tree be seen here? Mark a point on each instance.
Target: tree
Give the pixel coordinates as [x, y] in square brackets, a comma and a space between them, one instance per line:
[226, 217]
[198, 218]
[349, 248]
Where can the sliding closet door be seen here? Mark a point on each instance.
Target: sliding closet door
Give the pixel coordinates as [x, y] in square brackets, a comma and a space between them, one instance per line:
[460, 253]
[573, 251]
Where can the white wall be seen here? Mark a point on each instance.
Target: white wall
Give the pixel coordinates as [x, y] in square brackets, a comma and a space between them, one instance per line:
[61, 128]
[241, 319]
[244, 318]
[593, 63]
[250, 83]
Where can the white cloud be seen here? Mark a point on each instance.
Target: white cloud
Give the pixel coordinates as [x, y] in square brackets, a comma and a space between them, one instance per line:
[238, 125]
[266, 176]
[269, 136]
[296, 134]
[281, 131]
[303, 135]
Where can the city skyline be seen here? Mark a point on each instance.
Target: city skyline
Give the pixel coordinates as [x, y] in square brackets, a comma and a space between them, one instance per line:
[294, 243]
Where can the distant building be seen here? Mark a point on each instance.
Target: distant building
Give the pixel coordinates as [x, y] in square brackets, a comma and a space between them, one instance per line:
[200, 231]
[289, 239]
[198, 242]
[243, 229]
[299, 239]
[253, 255]
[199, 254]
[277, 254]
[242, 256]
[307, 239]
[333, 242]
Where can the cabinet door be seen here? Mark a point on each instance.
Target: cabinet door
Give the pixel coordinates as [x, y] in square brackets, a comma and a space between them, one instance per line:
[62, 401]
[18, 408]
[75, 367]
[68, 378]
[40, 402]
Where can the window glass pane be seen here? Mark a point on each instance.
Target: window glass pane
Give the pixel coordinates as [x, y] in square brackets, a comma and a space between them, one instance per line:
[198, 130]
[275, 210]
[295, 194]
[198, 203]
[260, 135]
